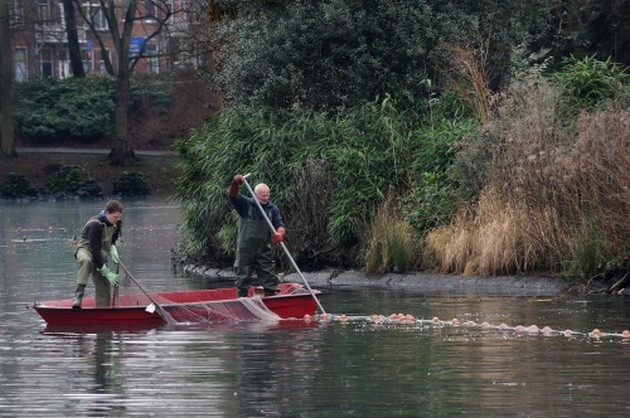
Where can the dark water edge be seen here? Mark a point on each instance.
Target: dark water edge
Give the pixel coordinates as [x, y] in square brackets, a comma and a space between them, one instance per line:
[427, 283]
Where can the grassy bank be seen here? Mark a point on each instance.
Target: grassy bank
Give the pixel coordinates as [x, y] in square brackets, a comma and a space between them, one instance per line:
[161, 172]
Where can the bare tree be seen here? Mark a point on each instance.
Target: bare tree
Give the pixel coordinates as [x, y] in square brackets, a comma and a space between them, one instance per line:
[120, 34]
[74, 50]
[6, 78]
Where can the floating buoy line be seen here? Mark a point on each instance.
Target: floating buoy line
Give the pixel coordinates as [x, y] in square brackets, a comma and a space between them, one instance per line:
[436, 322]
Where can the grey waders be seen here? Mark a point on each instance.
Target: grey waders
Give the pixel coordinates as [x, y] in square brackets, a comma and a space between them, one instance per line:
[254, 254]
[78, 296]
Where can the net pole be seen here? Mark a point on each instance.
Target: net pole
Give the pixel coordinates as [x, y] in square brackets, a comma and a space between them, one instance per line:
[284, 247]
[161, 311]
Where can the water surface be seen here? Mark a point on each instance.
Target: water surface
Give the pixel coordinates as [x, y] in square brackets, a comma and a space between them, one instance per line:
[346, 367]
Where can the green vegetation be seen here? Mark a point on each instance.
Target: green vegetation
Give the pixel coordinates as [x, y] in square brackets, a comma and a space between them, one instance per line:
[352, 161]
[400, 134]
[390, 243]
[336, 54]
[587, 82]
[131, 184]
[73, 181]
[48, 109]
[16, 186]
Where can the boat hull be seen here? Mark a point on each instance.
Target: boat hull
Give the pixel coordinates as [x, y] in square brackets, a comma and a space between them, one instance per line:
[204, 305]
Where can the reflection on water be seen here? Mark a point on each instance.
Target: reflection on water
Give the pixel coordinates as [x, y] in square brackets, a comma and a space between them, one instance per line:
[352, 367]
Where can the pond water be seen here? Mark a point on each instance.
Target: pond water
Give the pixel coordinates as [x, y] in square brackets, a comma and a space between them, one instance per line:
[349, 366]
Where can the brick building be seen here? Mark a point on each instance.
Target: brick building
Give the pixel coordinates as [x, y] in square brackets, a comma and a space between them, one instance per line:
[40, 42]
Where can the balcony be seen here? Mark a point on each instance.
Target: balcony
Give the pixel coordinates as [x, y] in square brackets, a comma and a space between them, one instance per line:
[55, 33]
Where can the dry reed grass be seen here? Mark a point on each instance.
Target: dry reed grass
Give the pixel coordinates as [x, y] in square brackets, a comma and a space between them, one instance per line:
[547, 184]
[390, 245]
[469, 81]
[495, 237]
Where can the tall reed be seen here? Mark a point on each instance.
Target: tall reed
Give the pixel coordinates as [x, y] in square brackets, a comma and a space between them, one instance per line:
[556, 193]
[494, 237]
[390, 247]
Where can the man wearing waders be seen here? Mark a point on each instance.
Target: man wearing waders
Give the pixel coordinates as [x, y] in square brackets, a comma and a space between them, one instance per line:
[96, 244]
[253, 251]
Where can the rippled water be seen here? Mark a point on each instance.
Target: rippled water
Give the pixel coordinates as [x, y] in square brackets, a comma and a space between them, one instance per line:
[349, 366]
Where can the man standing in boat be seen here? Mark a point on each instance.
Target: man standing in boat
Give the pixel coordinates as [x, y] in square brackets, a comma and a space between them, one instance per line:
[96, 244]
[253, 251]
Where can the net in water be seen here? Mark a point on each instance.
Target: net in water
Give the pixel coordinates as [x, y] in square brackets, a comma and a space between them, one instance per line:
[130, 293]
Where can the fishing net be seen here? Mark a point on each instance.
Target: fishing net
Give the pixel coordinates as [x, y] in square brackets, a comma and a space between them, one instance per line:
[200, 306]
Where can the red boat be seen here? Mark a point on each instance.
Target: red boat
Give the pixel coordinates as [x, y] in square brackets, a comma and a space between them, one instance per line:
[206, 305]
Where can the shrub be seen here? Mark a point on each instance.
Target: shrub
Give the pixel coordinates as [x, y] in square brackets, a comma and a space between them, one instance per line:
[150, 92]
[560, 186]
[432, 201]
[328, 55]
[308, 211]
[73, 181]
[588, 81]
[16, 186]
[131, 184]
[50, 108]
[494, 237]
[365, 152]
[389, 245]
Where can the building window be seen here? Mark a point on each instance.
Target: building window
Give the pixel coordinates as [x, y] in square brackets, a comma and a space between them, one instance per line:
[43, 11]
[176, 11]
[17, 11]
[153, 61]
[97, 16]
[19, 62]
[88, 61]
[102, 69]
[45, 55]
[149, 10]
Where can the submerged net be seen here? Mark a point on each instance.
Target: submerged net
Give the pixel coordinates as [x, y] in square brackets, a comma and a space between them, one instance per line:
[174, 311]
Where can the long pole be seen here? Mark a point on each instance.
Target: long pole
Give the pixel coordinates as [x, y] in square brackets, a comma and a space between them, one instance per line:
[284, 247]
[165, 315]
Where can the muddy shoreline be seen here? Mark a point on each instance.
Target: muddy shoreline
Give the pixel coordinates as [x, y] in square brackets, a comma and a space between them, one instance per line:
[430, 284]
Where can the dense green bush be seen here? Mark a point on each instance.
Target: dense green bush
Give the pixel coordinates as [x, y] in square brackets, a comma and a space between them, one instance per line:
[73, 181]
[432, 201]
[132, 184]
[588, 81]
[15, 186]
[331, 54]
[48, 109]
[365, 153]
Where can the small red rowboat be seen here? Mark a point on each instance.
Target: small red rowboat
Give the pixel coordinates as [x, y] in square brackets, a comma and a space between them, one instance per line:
[291, 301]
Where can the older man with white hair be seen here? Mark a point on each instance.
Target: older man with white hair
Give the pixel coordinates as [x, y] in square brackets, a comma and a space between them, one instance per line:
[253, 251]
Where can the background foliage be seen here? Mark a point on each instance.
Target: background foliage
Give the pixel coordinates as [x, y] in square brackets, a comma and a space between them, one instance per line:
[48, 109]
[554, 176]
[332, 54]
[339, 169]
[421, 117]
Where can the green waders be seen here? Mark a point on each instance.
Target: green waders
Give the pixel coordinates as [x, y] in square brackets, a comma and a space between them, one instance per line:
[103, 289]
[253, 254]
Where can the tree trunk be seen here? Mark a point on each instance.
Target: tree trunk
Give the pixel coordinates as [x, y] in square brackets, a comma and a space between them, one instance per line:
[122, 153]
[74, 50]
[6, 79]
